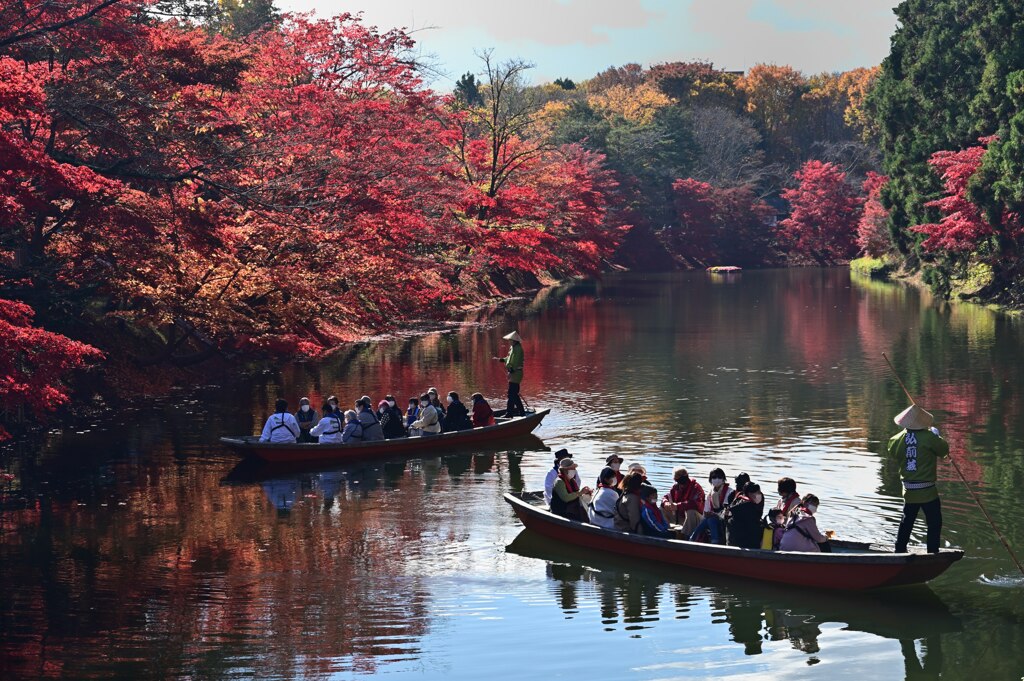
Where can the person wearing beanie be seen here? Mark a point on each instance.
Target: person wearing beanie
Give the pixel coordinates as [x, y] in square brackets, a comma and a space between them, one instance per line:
[917, 448]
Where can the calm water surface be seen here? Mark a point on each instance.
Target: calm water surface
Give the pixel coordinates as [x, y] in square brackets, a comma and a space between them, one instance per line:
[144, 553]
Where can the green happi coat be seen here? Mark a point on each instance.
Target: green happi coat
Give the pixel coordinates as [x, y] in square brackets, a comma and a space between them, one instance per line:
[514, 363]
[918, 452]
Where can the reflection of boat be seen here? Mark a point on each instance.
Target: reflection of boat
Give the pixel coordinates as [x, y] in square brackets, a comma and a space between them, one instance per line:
[724, 269]
[852, 570]
[505, 428]
[911, 612]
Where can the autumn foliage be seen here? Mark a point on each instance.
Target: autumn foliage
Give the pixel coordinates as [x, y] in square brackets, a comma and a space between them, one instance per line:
[873, 227]
[718, 225]
[824, 213]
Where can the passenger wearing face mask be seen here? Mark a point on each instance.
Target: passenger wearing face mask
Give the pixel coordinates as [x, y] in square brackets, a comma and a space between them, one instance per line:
[552, 475]
[714, 509]
[368, 420]
[389, 423]
[307, 418]
[456, 416]
[329, 429]
[615, 463]
[743, 519]
[802, 532]
[684, 502]
[427, 422]
[393, 407]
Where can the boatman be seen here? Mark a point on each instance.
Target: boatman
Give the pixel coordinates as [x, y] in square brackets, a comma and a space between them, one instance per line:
[514, 366]
[917, 448]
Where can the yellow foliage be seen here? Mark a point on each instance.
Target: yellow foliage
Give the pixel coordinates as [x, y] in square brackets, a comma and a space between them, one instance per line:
[637, 105]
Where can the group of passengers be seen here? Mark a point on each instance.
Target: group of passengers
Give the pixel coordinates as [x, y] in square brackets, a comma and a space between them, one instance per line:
[732, 515]
[424, 416]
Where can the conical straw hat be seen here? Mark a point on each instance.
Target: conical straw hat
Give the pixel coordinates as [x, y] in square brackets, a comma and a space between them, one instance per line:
[513, 336]
[914, 418]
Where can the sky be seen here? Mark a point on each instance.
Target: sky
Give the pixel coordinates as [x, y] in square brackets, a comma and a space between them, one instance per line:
[578, 38]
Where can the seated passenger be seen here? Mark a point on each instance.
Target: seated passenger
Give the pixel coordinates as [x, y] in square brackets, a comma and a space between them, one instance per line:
[328, 430]
[684, 502]
[413, 412]
[601, 510]
[306, 417]
[789, 500]
[714, 509]
[627, 508]
[802, 529]
[436, 402]
[743, 519]
[565, 495]
[654, 523]
[395, 409]
[428, 421]
[281, 427]
[614, 461]
[483, 415]
[389, 422]
[353, 432]
[549, 479]
[637, 468]
[372, 431]
[775, 523]
[456, 417]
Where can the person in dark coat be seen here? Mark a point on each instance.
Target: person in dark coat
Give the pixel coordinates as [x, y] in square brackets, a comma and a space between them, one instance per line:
[456, 416]
[743, 519]
[390, 423]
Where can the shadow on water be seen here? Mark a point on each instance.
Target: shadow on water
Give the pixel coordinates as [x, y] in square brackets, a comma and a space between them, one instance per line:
[633, 594]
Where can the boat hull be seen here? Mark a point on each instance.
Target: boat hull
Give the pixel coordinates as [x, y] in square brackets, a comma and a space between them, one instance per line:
[303, 452]
[843, 571]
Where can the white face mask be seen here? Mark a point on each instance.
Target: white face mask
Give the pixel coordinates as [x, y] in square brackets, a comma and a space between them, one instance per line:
[382, 411]
[757, 498]
[305, 407]
[424, 403]
[615, 466]
[812, 507]
[391, 403]
[450, 399]
[717, 482]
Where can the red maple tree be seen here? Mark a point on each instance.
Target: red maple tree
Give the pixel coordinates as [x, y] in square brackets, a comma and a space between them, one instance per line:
[824, 213]
[873, 228]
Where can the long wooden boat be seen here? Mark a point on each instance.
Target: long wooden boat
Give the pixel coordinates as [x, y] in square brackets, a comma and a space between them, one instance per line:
[852, 568]
[294, 452]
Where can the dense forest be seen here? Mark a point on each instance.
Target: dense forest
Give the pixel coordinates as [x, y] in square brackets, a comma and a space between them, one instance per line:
[185, 179]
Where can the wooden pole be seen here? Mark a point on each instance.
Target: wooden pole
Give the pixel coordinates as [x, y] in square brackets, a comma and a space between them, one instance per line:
[963, 479]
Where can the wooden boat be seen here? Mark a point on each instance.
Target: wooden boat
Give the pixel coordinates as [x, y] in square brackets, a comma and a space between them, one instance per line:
[852, 567]
[724, 269]
[504, 429]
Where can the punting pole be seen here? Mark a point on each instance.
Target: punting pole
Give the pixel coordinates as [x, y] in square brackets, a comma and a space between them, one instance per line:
[963, 479]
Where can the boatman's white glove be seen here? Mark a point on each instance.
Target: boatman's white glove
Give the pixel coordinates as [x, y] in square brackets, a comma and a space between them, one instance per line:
[934, 430]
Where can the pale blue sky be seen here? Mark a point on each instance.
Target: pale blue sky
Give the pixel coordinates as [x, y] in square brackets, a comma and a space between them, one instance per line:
[578, 38]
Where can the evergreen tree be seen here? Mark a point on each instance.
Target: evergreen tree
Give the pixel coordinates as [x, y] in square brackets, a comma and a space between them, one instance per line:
[467, 90]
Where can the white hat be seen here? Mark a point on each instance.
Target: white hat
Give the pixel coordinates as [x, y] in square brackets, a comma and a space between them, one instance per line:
[637, 467]
[914, 418]
[513, 336]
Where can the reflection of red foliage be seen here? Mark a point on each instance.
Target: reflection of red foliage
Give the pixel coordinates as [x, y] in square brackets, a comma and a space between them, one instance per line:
[961, 401]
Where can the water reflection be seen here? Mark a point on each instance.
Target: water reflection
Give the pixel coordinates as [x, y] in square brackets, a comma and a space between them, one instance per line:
[141, 551]
[635, 597]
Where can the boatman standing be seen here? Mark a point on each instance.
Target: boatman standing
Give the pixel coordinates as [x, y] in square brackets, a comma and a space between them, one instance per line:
[514, 366]
[918, 448]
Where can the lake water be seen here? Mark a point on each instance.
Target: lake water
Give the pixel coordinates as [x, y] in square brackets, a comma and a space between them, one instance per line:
[142, 553]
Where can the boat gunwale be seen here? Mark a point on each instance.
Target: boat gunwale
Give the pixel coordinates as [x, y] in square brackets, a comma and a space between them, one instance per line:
[945, 556]
[251, 443]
